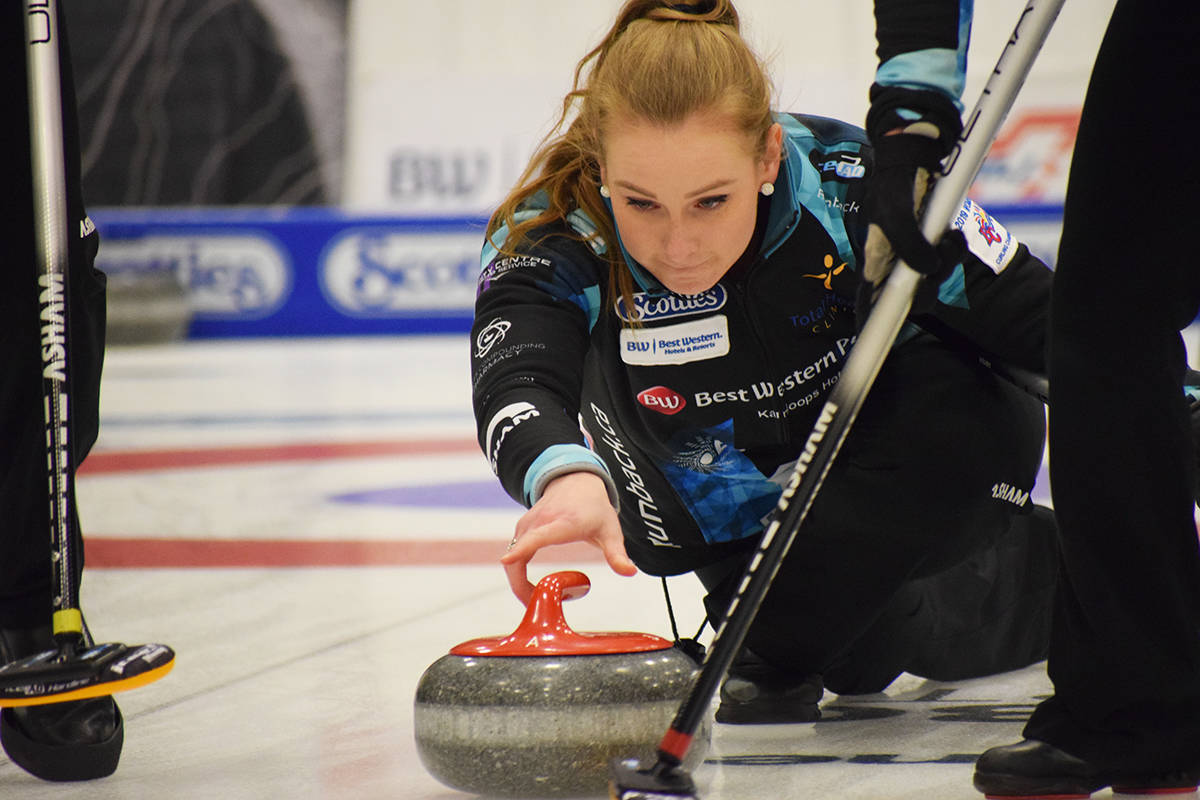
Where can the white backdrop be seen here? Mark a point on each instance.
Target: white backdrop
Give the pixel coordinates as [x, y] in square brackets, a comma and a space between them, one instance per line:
[447, 98]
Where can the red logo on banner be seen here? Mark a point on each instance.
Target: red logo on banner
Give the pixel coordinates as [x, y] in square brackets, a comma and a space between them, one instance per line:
[661, 399]
[1029, 161]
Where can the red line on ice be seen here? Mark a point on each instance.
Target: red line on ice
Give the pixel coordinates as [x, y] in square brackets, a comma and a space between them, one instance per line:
[119, 552]
[123, 552]
[146, 460]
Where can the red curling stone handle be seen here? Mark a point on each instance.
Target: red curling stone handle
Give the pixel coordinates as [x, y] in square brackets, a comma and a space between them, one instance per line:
[544, 631]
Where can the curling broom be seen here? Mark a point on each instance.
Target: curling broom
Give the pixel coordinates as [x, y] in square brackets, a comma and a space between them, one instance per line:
[76, 669]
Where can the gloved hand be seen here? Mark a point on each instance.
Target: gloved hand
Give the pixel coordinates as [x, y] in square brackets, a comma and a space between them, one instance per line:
[909, 147]
[950, 251]
[906, 160]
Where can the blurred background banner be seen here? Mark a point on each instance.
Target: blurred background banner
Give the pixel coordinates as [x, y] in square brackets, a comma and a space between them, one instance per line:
[303, 271]
[325, 167]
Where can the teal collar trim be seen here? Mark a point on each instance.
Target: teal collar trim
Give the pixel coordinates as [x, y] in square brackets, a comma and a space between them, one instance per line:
[806, 190]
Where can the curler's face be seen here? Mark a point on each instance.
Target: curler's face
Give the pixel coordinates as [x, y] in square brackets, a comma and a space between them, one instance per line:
[685, 196]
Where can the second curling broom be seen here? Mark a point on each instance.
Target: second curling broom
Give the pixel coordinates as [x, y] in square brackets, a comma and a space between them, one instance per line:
[76, 669]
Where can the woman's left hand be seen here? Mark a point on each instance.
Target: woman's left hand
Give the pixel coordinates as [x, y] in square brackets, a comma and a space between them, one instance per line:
[573, 508]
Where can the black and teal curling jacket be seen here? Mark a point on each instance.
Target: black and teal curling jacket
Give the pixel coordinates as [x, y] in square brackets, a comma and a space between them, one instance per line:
[691, 415]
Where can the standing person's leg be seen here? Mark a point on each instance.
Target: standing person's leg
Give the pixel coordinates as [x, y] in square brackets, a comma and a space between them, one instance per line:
[78, 739]
[1125, 652]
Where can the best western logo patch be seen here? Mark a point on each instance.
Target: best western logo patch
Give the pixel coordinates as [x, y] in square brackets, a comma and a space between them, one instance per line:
[661, 399]
[676, 344]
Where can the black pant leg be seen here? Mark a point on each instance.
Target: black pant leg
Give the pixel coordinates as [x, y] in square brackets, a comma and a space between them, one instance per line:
[988, 614]
[992, 612]
[912, 493]
[1125, 655]
[24, 494]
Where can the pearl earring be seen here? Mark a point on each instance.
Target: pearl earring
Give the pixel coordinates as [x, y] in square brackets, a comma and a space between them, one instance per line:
[767, 189]
[604, 191]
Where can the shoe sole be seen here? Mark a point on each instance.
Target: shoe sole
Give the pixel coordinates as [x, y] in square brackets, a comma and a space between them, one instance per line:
[62, 763]
[1008, 787]
[773, 714]
[1156, 789]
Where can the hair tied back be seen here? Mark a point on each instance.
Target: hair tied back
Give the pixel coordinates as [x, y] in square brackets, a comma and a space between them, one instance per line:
[697, 8]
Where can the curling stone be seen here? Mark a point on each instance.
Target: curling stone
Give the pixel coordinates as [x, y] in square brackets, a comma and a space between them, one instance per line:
[543, 711]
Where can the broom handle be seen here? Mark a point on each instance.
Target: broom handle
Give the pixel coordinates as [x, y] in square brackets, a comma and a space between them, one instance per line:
[50, 228]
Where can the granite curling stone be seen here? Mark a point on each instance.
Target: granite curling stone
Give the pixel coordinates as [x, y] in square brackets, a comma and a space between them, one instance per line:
[543, 711]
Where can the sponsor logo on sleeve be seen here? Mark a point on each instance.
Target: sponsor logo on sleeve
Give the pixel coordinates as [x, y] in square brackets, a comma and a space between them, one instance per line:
[987, 239]
[492, 334]
[500, 355]
[501, 267]
[503, 422]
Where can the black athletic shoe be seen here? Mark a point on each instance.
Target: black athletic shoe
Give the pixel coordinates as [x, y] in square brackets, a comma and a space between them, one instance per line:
[78, 740]
[1034, 770]
[756, 693]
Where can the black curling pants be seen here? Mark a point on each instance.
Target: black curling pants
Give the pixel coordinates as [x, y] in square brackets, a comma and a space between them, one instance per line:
[1125, 652]
[25, 598]
[922, 552]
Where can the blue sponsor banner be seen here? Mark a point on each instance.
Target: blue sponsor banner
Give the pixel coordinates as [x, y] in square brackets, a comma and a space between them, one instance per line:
[303, 271]
[321, 271]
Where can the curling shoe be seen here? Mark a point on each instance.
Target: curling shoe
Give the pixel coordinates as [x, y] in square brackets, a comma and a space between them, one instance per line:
[756, 693]
[1033, 770]
[78, 740]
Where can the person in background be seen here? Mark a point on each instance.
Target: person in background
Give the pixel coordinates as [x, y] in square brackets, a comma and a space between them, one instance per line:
[1125, 646]
[666, 298]
[80, 739]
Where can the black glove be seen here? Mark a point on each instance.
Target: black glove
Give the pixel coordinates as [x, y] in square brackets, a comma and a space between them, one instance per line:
[911, 131]
[949, 252]
[906, 162]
